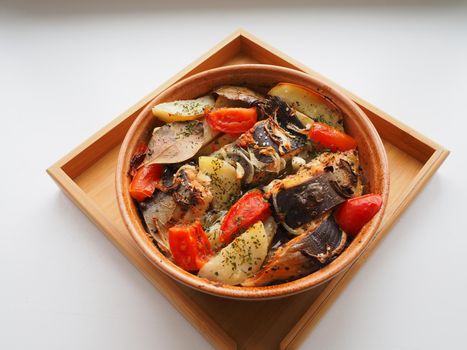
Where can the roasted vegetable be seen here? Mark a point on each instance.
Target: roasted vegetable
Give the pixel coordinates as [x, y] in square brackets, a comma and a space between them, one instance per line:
[177, 142]
[224, 184]
[239, 156]
[232, 120]
[179, 111]
[243, 257]
[145, 181]
[356, 212]
[327, 137]
[189, 245]
[252, 207]
[302, 255]
[310, 103]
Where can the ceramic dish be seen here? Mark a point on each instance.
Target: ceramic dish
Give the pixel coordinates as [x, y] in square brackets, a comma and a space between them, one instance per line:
[258, 77]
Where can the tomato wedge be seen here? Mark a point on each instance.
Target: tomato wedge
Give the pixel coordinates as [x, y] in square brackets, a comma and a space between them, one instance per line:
[232, 120]
[249, 209]
[354, 213]
[189, 245]
[331, 138]
[145, 181]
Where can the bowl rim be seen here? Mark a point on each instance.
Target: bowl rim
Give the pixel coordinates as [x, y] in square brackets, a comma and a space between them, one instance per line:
[343, 261]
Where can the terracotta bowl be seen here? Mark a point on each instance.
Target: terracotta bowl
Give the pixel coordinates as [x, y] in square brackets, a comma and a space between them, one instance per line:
[260, 77]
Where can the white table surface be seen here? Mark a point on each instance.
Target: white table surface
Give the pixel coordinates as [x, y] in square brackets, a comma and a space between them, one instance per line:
[67, 70]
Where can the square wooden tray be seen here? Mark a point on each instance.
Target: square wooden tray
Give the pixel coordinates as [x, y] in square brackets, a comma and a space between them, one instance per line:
[87, 175]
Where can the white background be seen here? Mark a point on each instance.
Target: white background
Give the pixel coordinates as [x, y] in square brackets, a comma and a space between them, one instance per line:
[67, 70]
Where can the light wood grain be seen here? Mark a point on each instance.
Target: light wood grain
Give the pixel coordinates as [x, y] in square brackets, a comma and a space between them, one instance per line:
[87, 176]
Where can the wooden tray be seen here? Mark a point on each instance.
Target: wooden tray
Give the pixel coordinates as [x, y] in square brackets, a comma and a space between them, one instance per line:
[87, 175]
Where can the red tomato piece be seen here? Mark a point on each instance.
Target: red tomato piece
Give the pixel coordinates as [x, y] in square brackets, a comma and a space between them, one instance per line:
[249, 209]
[232, 120]
[189, 245]
[331, 138]
[145, 181]
[354, 213]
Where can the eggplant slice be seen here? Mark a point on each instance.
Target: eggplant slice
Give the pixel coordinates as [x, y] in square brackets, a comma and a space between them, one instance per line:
[319, 186]
[302, 255]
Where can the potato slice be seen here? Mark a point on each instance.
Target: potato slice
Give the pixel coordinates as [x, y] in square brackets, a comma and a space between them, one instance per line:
[224, 186]
[182, 110]
[310, 103]
[242, 258]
